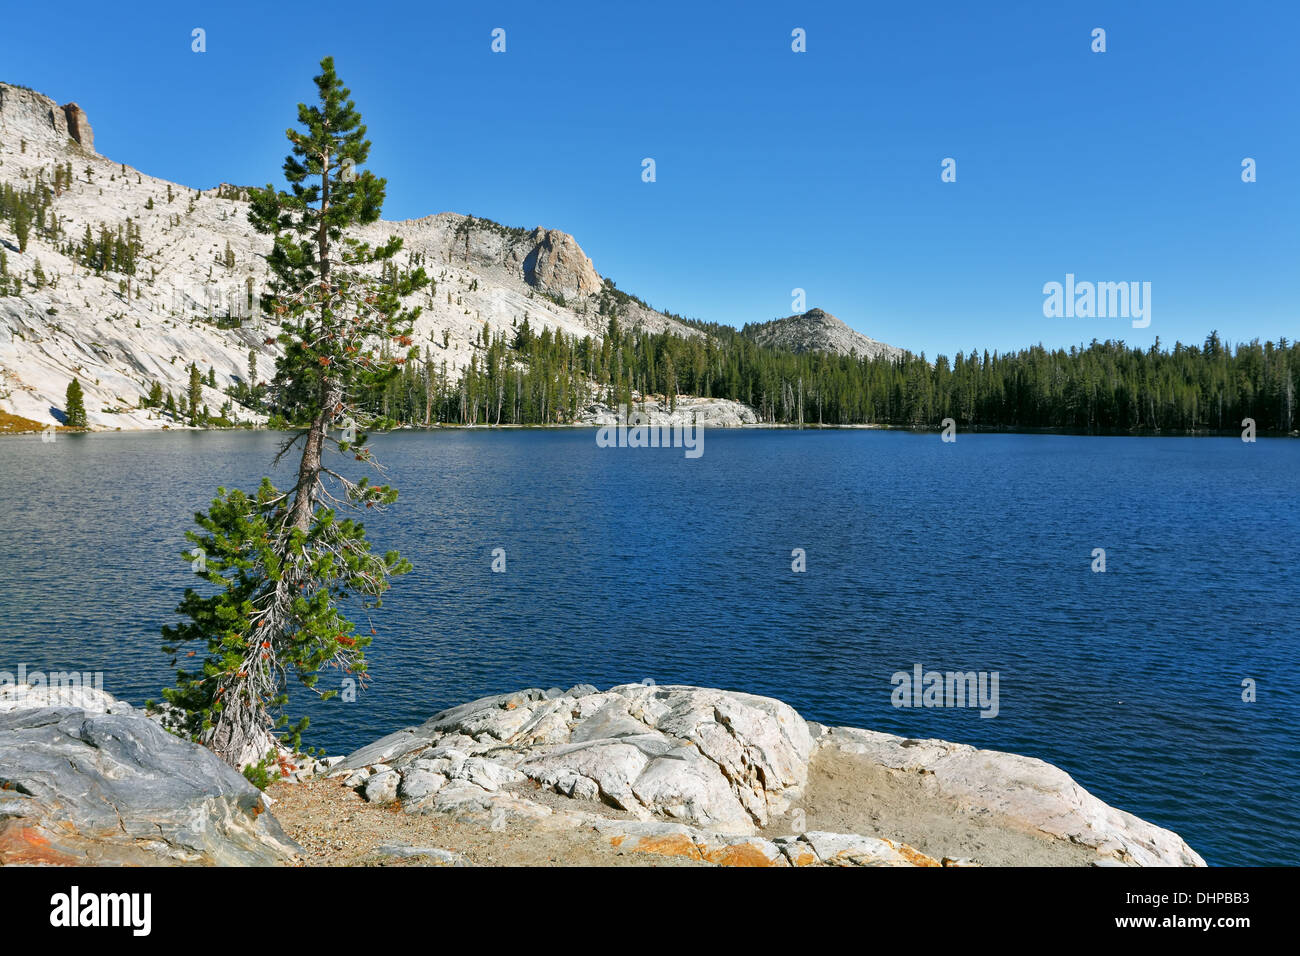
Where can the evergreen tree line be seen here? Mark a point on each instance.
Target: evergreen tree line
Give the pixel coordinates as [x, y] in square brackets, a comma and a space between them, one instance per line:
[527, 377]
[190, 408]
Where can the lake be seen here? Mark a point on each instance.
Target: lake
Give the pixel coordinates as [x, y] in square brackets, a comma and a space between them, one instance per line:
[631, 564]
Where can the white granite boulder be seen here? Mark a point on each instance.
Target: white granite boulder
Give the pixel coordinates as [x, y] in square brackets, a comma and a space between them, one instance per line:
[705, 757]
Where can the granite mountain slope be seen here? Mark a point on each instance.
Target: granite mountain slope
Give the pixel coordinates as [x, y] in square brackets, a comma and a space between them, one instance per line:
[192, 299]
[199, 261]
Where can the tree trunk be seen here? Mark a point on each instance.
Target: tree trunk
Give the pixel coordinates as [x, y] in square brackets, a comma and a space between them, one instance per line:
[309, 468]
[304, 499]
[241, 736]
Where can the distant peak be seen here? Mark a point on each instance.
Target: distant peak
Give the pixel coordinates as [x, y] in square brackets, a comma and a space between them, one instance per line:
[818, 331]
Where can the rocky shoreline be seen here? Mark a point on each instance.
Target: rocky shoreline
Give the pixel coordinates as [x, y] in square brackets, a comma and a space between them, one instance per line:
[639, 774]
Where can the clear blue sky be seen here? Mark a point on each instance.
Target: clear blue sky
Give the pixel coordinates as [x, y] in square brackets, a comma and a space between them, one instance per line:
[775, 170]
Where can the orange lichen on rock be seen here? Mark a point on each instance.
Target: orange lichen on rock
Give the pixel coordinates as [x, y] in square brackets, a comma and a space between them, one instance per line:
[23, 844]
[740, 854]
[673, 844]
[802, 856]
[913, 855]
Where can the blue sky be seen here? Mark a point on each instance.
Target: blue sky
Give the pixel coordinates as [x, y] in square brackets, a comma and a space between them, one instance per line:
[775, 169]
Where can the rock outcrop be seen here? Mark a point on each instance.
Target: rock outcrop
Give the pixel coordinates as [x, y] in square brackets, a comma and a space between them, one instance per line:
[41, 121]
[690, 410]
[72, 693]
[722, 760]
[556, 264]
[88, 780]
[708, 774]
[814, 848]
[1034, 794]
[79, 126]
[33, 117]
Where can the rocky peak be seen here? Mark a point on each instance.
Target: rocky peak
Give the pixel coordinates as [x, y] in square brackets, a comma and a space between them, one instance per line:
[548, 260]
[557, 264]
[818, 331]
[38, 119]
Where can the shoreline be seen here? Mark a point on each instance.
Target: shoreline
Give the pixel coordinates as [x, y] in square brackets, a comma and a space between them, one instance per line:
[757, 426]
[639, 774]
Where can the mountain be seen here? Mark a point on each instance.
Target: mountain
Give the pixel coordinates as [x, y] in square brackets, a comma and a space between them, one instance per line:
[197, 260]
[122, 280]
[818, 331]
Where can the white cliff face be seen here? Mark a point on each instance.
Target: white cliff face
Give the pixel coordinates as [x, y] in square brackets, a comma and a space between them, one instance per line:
[38, 118]
[119, 334]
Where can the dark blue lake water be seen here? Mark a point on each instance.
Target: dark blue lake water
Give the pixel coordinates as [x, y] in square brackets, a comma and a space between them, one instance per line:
[632, 564]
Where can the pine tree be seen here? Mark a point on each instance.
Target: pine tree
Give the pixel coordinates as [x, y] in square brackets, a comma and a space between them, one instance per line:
[155, 395]
[195, 394]
[22, 227]
[75, 413]
[280, 559]
[252, 389]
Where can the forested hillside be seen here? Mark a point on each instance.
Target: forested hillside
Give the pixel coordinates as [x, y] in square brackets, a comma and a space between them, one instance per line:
[1103, 386]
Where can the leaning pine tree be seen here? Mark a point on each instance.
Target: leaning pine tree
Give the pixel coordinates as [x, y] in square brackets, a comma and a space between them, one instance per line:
[282, 561]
